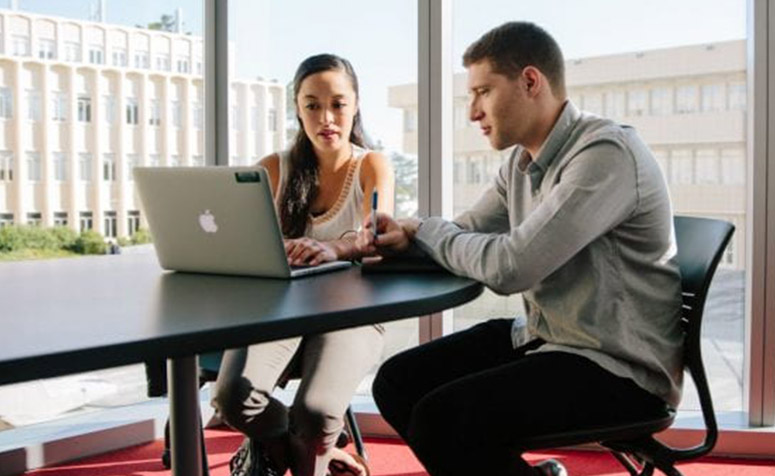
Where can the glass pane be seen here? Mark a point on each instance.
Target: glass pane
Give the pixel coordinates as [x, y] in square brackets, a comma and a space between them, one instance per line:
[270, 39]
[684, 90]
[77, 87]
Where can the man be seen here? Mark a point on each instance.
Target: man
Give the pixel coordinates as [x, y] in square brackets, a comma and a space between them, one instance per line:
[579, 221]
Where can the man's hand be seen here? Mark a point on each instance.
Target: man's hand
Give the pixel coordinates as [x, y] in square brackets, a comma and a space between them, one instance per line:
[393, 237]
[308, 252]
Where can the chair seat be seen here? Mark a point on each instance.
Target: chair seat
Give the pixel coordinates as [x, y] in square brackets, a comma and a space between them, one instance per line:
[625, 431]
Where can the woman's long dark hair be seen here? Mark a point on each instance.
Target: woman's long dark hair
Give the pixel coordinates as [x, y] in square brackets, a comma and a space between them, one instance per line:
[301, 187]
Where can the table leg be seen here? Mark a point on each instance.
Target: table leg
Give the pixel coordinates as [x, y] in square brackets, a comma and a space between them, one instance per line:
[186, 440]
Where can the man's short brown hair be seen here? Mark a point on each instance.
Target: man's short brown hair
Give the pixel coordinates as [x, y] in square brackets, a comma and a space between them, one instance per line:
[513, 46]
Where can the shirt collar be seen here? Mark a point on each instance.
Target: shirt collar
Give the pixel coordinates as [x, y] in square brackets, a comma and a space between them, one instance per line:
[536, 168]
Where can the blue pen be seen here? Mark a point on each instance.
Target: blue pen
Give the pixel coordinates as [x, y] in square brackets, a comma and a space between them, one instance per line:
[374, 200]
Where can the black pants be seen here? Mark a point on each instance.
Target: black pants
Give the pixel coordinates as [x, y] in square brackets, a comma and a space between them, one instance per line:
[464, 402]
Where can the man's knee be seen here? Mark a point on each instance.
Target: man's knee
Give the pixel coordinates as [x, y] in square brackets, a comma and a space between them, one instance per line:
[230, 401]
[316, 424]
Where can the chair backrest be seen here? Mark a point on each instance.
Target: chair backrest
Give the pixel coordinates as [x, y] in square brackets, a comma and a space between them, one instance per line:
[701, 243]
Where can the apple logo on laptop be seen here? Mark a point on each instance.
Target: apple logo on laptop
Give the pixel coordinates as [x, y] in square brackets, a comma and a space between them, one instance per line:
[207, 222]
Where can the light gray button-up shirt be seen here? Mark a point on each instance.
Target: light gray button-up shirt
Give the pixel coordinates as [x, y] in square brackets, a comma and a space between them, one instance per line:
[585, 232]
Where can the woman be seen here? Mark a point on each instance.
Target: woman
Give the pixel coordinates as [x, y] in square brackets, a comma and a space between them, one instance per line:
[319, 187]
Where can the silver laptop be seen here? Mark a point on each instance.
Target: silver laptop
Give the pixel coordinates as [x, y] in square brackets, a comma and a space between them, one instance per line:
[216, 220]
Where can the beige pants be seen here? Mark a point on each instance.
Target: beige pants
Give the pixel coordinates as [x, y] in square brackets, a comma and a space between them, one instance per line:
[332, 366]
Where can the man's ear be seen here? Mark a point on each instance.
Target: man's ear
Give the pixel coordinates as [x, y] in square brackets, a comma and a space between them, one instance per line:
[532, 79]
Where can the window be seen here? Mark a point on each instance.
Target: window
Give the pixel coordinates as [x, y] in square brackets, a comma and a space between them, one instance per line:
[6, 166]
[733, 166]
[109, 167]
[34, 219]
[706, 166]
[686, 99]
[661, 101]
[6, 103]
[637, 102]
[47, 49]
[132, 161]
[459, 118]
[236, 117]
[60, 218]
[110, 109]
[593, 102]
[198, 160]
[660, 155]
[21, 45]
[84, 108]
[737, 96]
[681, 167]
[133, 221]
[271, 120]
[255, 118]
[183, 65]
[84, 167]
[163, 62]
[154, 160]
[712, 97]
[85, 221]
[33, 105]
[95, 55]
[142, 60]
[197, 115]
[6, 219]
[174, 161]
[614, 104]
[110, 224]
[154, 118]
[410, 120]
[119, 57]
[132, 113]
[59, 106]
[72, 52]
[729, 254]
[33, 167]
[177, 113]
[60, 166]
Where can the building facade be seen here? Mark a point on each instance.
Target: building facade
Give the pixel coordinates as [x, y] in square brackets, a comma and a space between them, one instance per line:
[82, 103]
[688, 103]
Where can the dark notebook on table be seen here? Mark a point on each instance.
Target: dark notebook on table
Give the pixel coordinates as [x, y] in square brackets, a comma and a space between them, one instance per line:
[401, 264]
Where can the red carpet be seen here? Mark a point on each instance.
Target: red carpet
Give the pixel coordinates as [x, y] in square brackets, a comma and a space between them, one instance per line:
[387, 458]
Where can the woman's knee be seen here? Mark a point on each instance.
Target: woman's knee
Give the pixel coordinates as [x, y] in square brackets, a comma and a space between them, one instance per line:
[233, 399]
[316, 424]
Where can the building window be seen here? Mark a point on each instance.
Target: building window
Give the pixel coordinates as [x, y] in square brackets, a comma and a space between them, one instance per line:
[255, 118]
[33, 167]
[271, 120]
[737, 96]
[84, 108]
[660, 155]
[60, 218]
[614, 104]
[132, 113]
[733, 166]
[84, 166]
[197, 115]
[21, 45]
[6, 103]
[133, 221]
[95, 55]
[410, 120]
[47, 49]
[119, 57]
[110, 109]
[163, 62]
[637, 102]
[33, 105]
[729, 253]
[154, 118]
[712, 97]
[681, 165]
[198, 161]
[153, 160]
[183, 65]
[85, 221]
[110, 225]
[686, 99]
[177, 114]
[72, 51]
[34, 219]
[661, 101]
[593, 102]
[6, 166]
[109, 167]
[6, 219]
[236, 123]
[59, 106]
[132, 161]
[175, 161]
[142, 60]
[60, 166]
[706, 167]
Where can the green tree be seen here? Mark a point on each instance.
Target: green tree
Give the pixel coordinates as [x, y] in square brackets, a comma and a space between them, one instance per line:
[90, 242]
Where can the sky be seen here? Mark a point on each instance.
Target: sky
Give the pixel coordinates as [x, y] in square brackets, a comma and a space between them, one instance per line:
[271, 37]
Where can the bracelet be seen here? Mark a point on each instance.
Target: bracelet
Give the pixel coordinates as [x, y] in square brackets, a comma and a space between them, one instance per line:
[341, 237]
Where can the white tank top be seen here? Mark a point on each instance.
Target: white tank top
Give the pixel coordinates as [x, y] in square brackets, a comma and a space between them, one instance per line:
[347, 212]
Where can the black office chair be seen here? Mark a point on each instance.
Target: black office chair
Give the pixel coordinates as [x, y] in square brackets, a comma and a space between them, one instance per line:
[701, 244]
[209, 365]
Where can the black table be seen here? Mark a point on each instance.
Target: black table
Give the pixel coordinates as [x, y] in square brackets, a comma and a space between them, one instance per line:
[73, 315]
